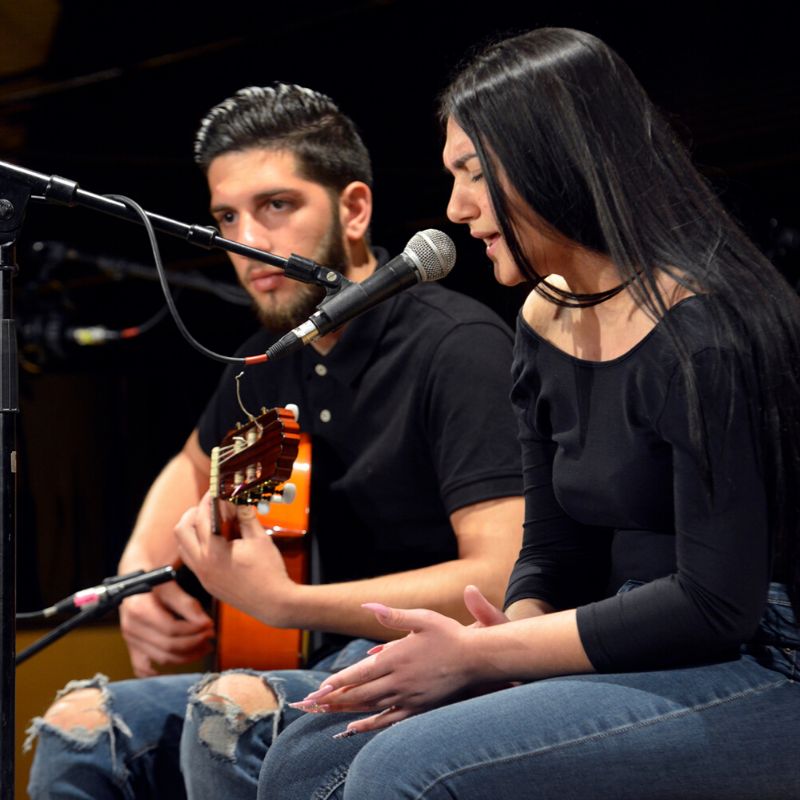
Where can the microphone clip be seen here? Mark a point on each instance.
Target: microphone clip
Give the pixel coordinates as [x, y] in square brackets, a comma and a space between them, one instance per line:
[308, 271]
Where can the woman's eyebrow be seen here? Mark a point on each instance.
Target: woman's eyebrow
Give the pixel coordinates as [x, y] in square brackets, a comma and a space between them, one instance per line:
[460, 162]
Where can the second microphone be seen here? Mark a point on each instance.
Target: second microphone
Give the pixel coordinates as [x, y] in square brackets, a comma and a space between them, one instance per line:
[428, 256]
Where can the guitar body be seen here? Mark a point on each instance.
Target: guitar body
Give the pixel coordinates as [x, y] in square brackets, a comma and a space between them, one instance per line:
[243, 641]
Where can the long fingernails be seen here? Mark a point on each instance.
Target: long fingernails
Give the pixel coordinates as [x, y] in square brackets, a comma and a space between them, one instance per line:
[309, 707]
[374, 650]
[326, 688]
[378, 609]
[345, 734]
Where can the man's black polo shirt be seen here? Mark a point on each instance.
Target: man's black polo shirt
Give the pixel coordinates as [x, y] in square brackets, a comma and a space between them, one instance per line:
[410, 420]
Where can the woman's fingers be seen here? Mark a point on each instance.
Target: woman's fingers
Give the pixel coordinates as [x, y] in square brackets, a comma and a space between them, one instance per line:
[363, 687]
[404, 619]
[377, 721]
[482, 611]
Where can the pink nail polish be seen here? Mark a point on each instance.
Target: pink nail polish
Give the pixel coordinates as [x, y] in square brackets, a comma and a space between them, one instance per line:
[309, 708]
[346, 734]
[326, 688]
[377, 608]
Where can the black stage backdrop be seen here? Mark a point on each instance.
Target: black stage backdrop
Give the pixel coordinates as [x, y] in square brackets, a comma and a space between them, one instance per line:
[109, 95]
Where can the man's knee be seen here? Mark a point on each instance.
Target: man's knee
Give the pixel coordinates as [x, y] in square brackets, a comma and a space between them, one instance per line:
[246, 692]
[80, 708]
[221, 711]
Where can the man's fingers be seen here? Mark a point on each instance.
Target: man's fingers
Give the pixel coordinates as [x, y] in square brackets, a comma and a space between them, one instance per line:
[178, 641]
[171, 649]
[168, 609]
[187, 518]
[142, 667]
[249, 525]
[185, 606]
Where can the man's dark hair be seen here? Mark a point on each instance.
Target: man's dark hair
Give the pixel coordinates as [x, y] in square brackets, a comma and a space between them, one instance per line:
[282, 116]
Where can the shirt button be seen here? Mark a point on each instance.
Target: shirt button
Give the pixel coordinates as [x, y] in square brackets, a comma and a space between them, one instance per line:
[325, 415]
[321, 369]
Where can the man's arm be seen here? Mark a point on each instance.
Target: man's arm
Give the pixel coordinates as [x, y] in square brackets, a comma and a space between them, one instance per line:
[249, 574]
[166, 625]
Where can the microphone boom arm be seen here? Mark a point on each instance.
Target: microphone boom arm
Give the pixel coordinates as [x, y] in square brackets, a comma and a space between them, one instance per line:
[55, 189]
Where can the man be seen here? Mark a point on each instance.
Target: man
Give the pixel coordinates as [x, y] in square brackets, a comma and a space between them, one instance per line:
[415, 489]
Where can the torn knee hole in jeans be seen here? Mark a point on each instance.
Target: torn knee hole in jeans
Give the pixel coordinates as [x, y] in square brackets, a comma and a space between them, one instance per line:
[77, 735]
[220, 719]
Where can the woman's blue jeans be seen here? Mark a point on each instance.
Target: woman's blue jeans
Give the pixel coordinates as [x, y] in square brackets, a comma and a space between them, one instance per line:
[164, 743]
[729, 731]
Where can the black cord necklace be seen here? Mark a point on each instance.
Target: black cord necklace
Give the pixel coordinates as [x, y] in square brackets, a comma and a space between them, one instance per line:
[566, 299]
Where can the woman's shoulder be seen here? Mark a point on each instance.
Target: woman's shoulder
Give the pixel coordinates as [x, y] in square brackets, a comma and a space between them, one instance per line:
[538, 312]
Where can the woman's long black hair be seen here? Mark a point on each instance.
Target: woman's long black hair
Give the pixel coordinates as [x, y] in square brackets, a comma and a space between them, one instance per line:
[579, 140]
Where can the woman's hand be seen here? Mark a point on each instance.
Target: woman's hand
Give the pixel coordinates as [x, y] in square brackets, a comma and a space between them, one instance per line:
[425, 669]
[483, 612]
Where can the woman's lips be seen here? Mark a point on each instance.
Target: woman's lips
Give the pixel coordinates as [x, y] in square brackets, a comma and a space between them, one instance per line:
[491, 244]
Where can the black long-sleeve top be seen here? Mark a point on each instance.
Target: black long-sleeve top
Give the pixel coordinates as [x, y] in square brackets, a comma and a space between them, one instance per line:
[615, 492]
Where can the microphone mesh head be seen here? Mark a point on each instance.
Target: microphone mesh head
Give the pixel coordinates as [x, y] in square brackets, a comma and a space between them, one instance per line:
[433, 252]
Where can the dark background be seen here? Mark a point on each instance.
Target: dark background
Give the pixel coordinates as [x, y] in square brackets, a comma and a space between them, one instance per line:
[109, 95]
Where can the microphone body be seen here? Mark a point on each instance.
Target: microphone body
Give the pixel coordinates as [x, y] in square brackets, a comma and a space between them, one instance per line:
[112, 587]
[428, 256]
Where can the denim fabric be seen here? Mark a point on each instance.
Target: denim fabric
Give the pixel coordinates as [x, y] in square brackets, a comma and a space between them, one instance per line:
[727, 731]
[138, 749]
[159, 734]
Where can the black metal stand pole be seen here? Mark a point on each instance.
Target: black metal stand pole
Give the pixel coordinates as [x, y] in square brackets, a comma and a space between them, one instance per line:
[9, 407]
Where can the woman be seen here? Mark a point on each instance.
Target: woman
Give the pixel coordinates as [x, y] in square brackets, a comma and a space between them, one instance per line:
[648, 647]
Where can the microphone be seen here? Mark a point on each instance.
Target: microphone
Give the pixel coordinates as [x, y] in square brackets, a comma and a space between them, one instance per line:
[428, 256]
[132, 583]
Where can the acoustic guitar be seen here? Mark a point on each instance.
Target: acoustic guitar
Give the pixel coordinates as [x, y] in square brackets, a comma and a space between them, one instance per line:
[267, 463]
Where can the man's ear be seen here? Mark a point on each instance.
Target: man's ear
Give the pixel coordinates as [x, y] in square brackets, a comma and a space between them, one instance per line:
[355, 210]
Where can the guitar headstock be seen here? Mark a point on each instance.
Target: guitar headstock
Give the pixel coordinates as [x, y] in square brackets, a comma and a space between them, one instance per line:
[254, 459]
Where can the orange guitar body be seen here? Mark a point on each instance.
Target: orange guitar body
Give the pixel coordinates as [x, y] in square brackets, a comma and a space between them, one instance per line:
[243, 641]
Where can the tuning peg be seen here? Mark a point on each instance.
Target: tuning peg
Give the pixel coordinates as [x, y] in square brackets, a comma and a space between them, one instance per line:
[263, 508]
[286, 495]
[294, 410]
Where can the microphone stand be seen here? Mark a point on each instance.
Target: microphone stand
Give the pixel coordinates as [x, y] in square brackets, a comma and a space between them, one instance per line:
[86, 615]
[17, 187]
[13, 201]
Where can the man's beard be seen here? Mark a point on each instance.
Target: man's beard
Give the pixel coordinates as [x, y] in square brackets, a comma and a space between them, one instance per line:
[281, 319]
[330, 253]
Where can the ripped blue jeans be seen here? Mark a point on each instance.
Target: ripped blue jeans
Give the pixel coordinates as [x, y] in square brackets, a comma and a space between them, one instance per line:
[163, 742]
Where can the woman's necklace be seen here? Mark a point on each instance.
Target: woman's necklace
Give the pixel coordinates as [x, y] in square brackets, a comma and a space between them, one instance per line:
[567, 299]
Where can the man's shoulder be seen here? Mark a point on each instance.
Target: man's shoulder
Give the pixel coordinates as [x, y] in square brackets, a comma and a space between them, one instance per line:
[434, 305]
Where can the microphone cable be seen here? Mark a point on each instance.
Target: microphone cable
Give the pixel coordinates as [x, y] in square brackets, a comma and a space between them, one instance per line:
[162, 277]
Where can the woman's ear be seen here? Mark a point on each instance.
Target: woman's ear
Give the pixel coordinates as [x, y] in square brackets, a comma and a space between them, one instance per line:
[355, 210]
